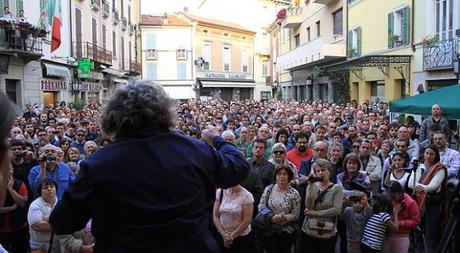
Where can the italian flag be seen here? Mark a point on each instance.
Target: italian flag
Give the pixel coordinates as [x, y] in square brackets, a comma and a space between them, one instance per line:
[56, 26]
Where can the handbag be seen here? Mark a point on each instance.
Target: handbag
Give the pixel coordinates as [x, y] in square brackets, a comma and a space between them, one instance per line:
[319, 227]
[262, 221]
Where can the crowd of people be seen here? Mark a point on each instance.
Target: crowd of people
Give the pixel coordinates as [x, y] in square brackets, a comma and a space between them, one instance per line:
[328, 177]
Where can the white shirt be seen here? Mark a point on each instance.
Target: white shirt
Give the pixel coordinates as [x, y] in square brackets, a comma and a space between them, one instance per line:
[38, 210]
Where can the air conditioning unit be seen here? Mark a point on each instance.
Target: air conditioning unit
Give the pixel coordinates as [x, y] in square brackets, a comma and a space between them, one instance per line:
[152, 54]
[181, 54]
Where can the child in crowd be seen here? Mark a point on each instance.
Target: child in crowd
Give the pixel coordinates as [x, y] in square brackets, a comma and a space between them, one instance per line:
[376, 227]
[355, 218]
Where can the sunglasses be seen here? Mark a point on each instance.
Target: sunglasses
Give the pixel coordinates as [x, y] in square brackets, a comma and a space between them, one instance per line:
[278, 152]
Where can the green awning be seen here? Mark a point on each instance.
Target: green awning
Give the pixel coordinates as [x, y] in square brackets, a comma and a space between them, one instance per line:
[448, 98]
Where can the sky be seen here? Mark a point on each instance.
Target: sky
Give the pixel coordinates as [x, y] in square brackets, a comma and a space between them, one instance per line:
[237, 11]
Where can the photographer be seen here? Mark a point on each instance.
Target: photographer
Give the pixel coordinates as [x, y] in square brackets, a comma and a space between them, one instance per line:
[50, 168]
[323, 206]
[6, 119]
[21, 167]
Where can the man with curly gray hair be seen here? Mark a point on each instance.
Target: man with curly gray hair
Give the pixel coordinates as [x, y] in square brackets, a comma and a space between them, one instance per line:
[151, 189]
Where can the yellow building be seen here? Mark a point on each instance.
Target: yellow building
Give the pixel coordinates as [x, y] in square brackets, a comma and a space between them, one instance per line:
[379, 50]
[223, 58]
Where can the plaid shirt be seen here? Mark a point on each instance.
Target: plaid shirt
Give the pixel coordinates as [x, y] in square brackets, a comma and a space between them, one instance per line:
[451, 159]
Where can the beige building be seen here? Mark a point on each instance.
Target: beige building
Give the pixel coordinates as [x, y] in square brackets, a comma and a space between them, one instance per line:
[223, 58]
[104, 32]
[310, 36]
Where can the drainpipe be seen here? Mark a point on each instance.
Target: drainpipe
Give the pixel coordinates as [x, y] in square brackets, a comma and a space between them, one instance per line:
[70, 27]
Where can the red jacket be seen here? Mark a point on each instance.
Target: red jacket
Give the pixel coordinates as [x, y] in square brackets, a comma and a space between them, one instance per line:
[409, 217]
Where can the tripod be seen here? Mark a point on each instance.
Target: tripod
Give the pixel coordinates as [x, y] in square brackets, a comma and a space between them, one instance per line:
[454, 214]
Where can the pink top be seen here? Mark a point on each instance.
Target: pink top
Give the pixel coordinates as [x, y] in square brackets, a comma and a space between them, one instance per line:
[231, 209]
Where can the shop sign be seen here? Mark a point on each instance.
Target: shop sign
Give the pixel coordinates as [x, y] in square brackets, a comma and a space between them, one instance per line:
[87, 86]
[53, 85]
[223, 75]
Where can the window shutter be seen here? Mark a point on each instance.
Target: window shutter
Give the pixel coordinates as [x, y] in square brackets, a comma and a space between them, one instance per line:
[151, 41]
[19, 6]
[391, 20]
[405, 26]
[358, 41]
[350, 43]
[152, 71]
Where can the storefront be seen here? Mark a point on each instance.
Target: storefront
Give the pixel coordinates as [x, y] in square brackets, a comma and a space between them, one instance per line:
[51, 89]
[54, 84]
[225, 85]
[89, 92]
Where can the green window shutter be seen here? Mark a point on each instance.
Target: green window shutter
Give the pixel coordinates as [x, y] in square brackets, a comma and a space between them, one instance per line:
[391, 18]
[350, 43]
[19, 6]
[358, 41]
[405, 26]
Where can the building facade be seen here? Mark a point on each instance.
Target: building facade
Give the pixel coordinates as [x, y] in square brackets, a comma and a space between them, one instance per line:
[379, 53]
[167, 54]
[436, 44]
[306, 37]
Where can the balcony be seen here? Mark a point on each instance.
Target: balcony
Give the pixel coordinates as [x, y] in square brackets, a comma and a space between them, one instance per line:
[105, 9]
[293, 21]
[325, 2]
[115, 17]
[21, 41]
[440, 55]
[124, 24]
[96, 4]
[135, 67]
[318, 51]
[93, 52]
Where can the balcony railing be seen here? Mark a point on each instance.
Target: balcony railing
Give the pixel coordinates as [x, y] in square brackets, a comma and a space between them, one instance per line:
[105, 8]
[440, 55]
[135, 67]
[131, 28]
[124, 24]
[93, 52]
[312, 52]
[96, 4]
[292, 21]
[23, 39]
[115, 16]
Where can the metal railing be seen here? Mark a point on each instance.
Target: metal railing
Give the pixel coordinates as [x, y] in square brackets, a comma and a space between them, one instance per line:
[22, 38]
[105, 8]
[92, 52]
[115, 16]
[96, 4]
[439, 55]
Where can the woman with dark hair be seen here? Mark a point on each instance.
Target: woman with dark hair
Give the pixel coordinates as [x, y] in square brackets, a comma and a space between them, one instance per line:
[282, 136]
[429, 189]
[398, 170]
[64, 144]
[284, 201]
[168, 188]
[352, 175]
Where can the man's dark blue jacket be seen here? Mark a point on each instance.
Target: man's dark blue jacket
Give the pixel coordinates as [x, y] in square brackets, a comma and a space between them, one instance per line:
[150, 195]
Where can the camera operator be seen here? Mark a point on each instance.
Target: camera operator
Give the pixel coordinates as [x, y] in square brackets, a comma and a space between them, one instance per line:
[21, 164]
[7, 112]
[50, 168]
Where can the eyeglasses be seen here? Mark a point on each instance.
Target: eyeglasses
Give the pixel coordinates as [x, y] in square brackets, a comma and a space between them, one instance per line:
[279, 152]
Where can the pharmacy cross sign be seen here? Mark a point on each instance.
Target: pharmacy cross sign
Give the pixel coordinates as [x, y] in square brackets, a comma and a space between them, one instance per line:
[85, 65]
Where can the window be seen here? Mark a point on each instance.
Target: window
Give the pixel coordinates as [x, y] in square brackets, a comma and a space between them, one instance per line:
[444, 13]
[398, 27]
[308, 34]
[264, 69]
[151, 71]
[181, 54]
[318, 28]
[181, 71]
[227, 57]
[245, 60]
[265, 95]
[378, 90]
[151, 41]
[206, 54]
[114, 44]
[354, 42]
[338, 22]
[297, 40]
